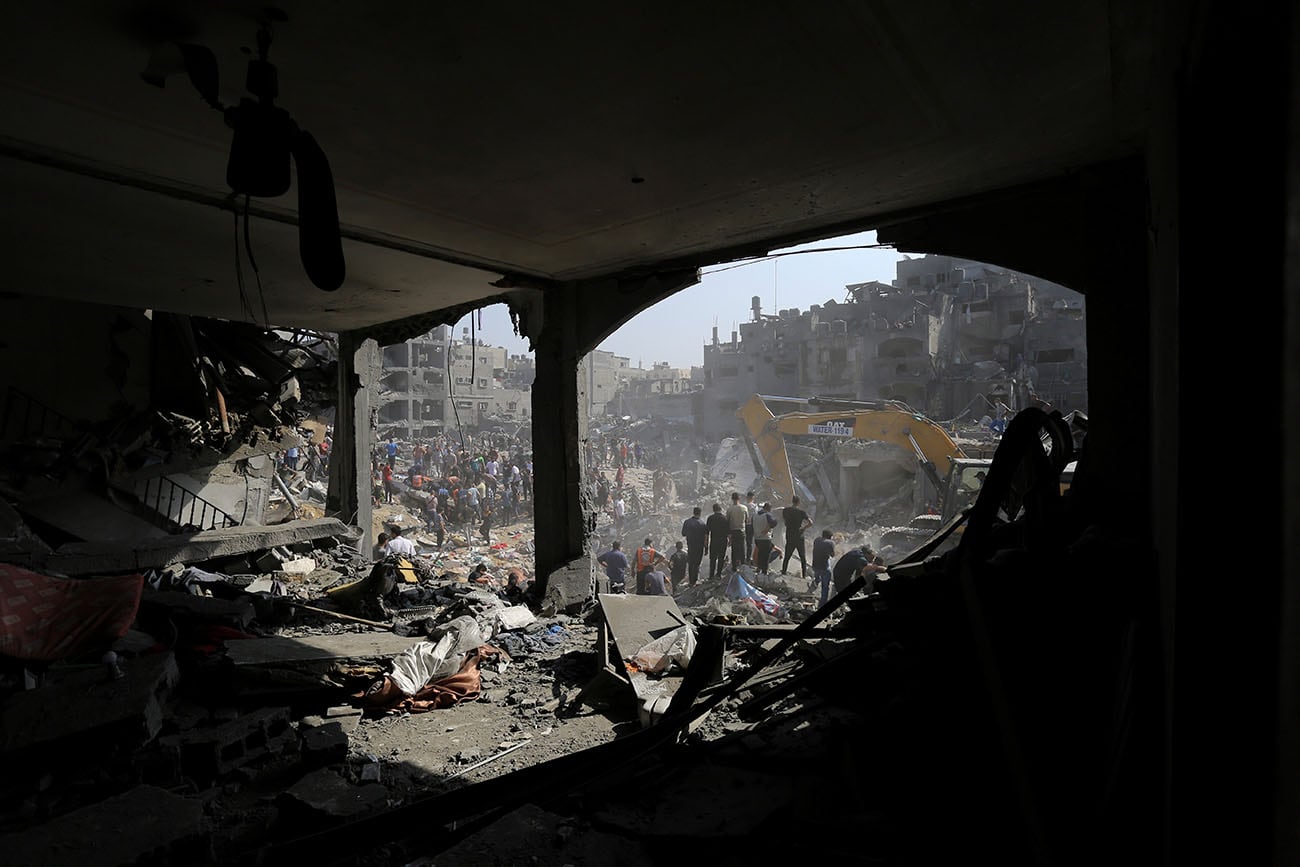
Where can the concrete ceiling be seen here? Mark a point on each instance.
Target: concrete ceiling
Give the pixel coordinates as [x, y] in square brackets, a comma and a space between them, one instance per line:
[551, 141]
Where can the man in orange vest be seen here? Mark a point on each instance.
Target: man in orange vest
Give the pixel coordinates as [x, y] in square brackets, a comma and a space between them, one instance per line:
[645, 560]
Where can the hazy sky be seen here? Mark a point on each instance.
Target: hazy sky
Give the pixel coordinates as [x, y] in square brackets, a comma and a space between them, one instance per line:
[676, 329]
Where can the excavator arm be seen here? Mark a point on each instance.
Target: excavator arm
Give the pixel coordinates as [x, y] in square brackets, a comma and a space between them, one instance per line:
[886, 422]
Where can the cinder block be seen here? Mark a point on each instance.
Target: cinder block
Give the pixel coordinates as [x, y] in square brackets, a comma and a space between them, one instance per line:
[208, 754]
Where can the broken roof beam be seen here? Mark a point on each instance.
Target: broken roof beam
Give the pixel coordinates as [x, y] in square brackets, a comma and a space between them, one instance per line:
[85, 558]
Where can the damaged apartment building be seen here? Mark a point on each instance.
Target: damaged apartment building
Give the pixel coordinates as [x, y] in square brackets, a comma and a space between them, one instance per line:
[949, 337]
[161, 424]
[434, 382]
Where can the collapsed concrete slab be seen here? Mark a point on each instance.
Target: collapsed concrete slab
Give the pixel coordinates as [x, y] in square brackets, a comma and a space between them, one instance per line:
[317, 648]
[91, 705]
[531, 834]
[86, 558]
[144, 825]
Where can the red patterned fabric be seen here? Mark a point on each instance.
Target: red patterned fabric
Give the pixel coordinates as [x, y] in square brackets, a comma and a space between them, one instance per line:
[43, 618]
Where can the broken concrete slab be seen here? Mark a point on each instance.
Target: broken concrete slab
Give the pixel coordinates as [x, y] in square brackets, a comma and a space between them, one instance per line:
[570, 586]
[209, 609]
[323, 795]
[89, 706]
[325, 741]
[316, 648]
[144, 825]
[83, 558]
[715, 801]
[84, 515]
[531, 835]
[635, 621]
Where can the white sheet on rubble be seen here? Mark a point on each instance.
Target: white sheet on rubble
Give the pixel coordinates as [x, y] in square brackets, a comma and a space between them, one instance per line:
[515, 617]
[438, 657]
[677, 646]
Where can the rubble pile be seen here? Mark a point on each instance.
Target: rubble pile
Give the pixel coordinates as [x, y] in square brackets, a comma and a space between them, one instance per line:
[228, 401]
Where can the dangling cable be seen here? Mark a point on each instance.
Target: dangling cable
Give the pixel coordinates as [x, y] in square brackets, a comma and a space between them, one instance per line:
[248, 247]
[245, 307]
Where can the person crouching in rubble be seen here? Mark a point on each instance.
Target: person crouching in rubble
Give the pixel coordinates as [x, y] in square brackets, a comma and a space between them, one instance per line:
[381, 547]
[656, 583]
[859, 561]
[516, 586]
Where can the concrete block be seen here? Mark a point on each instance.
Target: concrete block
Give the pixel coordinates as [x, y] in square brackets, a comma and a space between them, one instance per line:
[268, 561]
[299, 566]
[89, 706]
[325, 741]
[208, 754]
[569, 587]
[145, 825]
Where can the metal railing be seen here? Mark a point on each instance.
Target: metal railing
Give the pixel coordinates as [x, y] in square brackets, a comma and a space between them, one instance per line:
[25, 416]
[182, 507]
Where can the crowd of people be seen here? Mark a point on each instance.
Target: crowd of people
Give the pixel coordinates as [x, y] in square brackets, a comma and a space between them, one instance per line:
[739, 535]
[480, 482]
[311, 458]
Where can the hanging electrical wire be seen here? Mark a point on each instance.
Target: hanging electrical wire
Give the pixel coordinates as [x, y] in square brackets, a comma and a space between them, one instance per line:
[245, 307]
[248, 248]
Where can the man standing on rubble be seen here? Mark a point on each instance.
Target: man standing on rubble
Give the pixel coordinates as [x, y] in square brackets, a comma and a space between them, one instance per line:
[392, 452]
[620, 510]
[796, 521]
[696, 531]
[615, 563]
[764, 521]
[433, 519]
[738, 521]
[752, 508]
[677, 566]
[719, 535]
[823, 551]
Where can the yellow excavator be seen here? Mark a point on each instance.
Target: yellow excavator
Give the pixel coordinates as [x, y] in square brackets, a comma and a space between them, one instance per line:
[769, 419]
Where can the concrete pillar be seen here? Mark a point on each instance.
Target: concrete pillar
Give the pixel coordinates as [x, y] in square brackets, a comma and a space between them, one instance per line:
[575, 318]
[559, 415]
[360, 363]
[1229, 681]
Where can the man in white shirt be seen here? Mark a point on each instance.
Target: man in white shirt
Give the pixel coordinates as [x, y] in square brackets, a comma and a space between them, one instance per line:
[399, 544]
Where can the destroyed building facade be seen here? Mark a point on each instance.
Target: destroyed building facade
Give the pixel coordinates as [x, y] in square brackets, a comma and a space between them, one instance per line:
[434, 382]
[949, 337]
